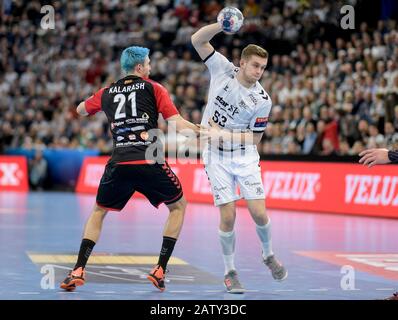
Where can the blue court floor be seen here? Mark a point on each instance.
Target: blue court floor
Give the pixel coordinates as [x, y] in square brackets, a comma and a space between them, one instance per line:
[327, 256]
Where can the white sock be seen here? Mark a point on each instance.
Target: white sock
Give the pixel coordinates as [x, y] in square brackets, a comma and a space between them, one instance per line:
[227, 240]
[229, 263]
[264, 233]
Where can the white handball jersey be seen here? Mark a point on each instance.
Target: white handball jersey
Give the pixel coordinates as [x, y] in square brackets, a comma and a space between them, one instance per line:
[230, 104]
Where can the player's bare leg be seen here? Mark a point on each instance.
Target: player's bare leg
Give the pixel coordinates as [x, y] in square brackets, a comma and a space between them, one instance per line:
[263, 228]
[257, 211]
[175, 220]
[171, 232]
[91, 234]
[228, 215]
[93, 227]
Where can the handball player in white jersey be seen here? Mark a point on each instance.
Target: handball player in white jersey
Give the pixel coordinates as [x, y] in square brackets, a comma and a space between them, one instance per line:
[237, 113]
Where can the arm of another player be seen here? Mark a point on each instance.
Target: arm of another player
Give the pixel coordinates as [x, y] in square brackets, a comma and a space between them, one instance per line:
[92, 105]
[182, 124]
[81, 109]
[372, 157]
[243, 137]
[169, 111]
[201, 39]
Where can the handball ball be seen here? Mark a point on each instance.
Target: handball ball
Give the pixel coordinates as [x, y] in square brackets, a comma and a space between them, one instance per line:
[230, 19]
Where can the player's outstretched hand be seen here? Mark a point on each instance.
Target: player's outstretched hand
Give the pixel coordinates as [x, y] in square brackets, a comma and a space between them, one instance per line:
[214, 125]
[372, 157]
[211, 132]
[203, 132]
[215, 131]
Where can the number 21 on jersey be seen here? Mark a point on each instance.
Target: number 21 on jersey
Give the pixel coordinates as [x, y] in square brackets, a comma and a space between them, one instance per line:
[121, 110]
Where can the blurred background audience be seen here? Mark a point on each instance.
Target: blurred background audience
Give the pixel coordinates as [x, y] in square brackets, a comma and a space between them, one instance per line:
[334, 91]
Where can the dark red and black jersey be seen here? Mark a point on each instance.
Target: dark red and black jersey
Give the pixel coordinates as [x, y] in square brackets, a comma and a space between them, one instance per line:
[132, 105]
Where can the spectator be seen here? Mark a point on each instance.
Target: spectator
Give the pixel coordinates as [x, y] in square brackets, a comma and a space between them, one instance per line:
[345, 84]
[37, 170]
[310, 138]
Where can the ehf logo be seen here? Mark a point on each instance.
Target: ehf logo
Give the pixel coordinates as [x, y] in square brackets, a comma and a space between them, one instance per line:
[242, 104]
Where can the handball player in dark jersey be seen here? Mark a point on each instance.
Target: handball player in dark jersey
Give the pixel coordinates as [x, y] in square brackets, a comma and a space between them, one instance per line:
[132, 105]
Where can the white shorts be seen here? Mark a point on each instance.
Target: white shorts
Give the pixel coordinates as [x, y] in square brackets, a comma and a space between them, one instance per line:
[232, 170]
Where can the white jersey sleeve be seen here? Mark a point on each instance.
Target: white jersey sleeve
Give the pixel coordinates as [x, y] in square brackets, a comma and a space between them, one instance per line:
[259, 121]
[218, 64]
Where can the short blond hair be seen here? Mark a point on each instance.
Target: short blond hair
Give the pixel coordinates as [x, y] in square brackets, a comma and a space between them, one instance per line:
[253, 50]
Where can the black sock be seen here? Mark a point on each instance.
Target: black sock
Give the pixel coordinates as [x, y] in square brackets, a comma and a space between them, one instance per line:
[167, 250]
[85, 250]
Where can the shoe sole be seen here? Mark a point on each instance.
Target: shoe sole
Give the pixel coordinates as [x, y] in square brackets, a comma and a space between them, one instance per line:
[155, 283]
[235, 291]
[72, 284]
[284, 278]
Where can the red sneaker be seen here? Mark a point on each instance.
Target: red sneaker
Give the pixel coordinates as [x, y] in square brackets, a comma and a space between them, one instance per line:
[156, 276]
[75, 278]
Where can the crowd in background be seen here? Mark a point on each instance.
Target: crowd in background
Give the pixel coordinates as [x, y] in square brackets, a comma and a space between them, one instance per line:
[334, 91]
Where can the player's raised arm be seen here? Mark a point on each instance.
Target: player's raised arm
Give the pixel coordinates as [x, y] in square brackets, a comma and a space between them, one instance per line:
[201, 39]
[229, 20]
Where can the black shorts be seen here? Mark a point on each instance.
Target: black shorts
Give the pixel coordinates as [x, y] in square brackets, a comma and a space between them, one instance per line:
[157, 182]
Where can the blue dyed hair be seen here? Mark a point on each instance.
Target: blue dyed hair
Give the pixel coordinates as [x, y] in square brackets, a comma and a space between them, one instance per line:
[132, 56]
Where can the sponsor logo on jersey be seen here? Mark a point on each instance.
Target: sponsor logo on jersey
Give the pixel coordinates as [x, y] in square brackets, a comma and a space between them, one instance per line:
[251, 184]
[219, 188]
[261, 122]
[116, 124]
[144, 116]
[132, 136]
[253, 98]
[137, 120]
[122, 130]
[119, 138]
[230, 109]
[222, 101]
[136, 128]
[144, 135]
[233, 109]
